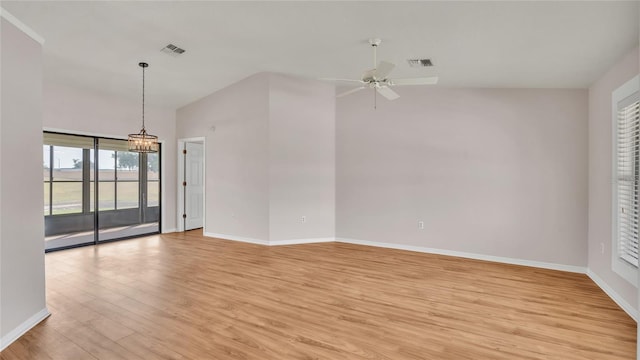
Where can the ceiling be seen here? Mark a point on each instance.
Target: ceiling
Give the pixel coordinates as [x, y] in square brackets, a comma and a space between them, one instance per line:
[97, 45]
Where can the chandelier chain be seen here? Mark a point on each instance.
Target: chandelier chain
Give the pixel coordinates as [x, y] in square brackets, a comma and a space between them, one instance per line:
[143, 142]
[143, 69]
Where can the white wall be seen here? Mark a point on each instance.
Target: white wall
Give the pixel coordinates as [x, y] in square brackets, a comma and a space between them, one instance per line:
[600, 175]
[22, 281]
[236, 158]
[270, 159]
[493, 172]
[301, 159]
[77, 111]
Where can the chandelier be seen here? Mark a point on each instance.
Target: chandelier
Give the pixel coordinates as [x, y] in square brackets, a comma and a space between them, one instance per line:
[143, 142]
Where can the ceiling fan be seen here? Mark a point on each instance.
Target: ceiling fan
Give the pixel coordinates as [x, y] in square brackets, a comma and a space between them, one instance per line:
[377, 78]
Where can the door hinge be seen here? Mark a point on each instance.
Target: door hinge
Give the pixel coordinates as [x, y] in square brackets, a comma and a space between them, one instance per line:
[184, 216]
[184, 183]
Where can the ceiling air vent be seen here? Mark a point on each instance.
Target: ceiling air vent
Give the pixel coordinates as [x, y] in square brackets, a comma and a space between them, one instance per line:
[172, 50]
[420, 62]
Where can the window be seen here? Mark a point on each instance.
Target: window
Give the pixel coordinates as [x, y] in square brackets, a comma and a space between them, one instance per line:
[119, 179]
[153, 180]
[64, 159]
[626, 209]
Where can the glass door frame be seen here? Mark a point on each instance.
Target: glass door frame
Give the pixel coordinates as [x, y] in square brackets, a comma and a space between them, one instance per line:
[143, 209]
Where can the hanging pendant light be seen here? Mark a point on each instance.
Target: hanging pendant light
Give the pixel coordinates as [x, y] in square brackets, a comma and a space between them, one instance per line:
[143, 142]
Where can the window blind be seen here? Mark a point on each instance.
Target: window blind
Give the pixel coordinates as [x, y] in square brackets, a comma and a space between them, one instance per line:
[627, 176]
[113, 144]
[65, 140]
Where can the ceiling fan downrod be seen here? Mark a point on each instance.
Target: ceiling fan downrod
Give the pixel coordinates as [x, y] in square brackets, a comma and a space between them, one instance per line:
[374, 42]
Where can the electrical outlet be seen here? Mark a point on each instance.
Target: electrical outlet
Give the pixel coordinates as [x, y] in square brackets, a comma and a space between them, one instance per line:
[303, 219]
[602, 248]
[421, 225]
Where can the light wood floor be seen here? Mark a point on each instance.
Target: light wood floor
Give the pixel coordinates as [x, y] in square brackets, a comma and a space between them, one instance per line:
[182, 296]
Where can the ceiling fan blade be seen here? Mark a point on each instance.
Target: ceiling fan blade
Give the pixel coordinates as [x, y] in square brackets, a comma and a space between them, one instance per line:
[415, 81]
[342, 80]
[350, 91]
[383, 70]
[387, 93]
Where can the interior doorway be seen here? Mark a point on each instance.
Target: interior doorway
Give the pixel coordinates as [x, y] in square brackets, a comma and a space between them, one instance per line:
[191, 184]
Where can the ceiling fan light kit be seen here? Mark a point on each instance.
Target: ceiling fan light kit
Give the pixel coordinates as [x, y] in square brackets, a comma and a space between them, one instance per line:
[378, 77]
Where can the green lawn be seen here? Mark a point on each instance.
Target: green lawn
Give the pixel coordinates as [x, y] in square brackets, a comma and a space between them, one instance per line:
[67, 196]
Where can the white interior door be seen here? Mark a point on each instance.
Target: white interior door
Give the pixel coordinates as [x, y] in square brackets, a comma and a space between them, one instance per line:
[194, 188]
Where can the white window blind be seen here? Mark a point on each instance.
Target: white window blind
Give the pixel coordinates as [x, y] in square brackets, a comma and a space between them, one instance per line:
[65, 140]
[112, 144]
[627, 177]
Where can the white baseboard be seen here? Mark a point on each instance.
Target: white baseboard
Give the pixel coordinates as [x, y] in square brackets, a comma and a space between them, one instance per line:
[172, 230]
[14, 334]
[268, 242]
[300, 241]
[506, 260]
[236, 238]
[613, 295]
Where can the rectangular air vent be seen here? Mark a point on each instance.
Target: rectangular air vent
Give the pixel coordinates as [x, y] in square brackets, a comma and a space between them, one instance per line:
[419, 62]
[172, 50]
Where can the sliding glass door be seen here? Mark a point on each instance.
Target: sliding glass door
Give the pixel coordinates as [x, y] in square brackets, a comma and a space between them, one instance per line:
[68, 209]
[123, 190]
[96, 190]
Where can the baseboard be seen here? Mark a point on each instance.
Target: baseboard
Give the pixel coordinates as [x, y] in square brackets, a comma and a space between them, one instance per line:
[506, 260]
[268, 242]
[613, 295]
[236, 238]
[300, 241]
[167, 231]
[14, 334]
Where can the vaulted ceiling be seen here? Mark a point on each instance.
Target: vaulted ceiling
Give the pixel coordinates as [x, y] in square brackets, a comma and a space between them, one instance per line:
[97, 45]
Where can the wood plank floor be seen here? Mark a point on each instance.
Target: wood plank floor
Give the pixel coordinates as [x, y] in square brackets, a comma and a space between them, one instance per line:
[183, 296]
